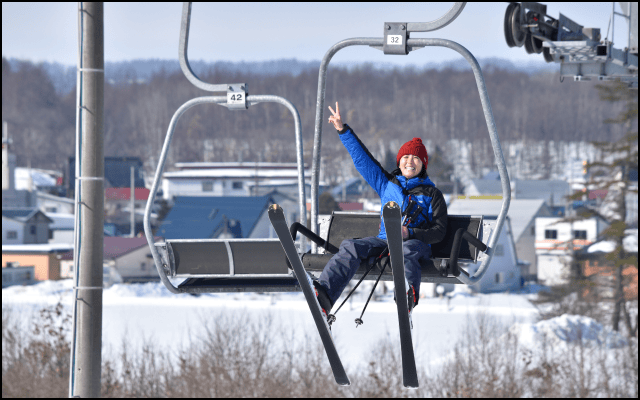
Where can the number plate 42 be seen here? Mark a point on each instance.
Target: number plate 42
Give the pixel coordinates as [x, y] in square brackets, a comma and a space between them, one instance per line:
[237, 97]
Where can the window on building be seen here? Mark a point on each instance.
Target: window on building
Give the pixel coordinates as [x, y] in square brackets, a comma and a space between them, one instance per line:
[236, 185]
[32, 229]
[550, 234]
[51, 209]
[500, 277]
[499, 250]
[12, 234]
[207, 186]
[143, 266]
[533, 231]
[578, 234]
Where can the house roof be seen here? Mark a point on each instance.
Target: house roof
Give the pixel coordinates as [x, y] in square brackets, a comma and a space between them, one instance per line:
[61, 221]
[125, 193]
[115, 247]
[231, 164]
[22, 214]
[37, 248]
[235, 173]
[487, 186]
[521, 212]
[555, 191]
[207, 217]
[353, 186]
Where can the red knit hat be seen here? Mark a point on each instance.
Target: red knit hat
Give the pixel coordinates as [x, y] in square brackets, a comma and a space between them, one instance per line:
[416, 148]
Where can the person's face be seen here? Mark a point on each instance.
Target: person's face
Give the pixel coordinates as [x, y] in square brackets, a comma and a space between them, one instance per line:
[410, 165]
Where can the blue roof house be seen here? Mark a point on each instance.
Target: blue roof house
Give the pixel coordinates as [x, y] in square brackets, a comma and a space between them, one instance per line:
[218, 217]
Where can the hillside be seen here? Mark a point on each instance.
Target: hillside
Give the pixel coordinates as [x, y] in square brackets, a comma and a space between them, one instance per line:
[385, 106]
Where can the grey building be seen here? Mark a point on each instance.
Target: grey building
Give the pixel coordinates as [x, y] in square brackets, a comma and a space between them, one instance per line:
[24, 226]
[522, 215]
[554, 192]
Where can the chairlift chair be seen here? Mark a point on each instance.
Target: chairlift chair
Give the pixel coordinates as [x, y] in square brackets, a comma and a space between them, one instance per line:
[230, 265]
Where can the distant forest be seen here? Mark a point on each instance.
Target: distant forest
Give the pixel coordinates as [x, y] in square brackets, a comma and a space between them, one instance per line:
[385, 107]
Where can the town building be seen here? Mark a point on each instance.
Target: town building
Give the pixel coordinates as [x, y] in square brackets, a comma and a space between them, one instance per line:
[125, 259]
[554, 241]
[597, 267]
[553, 192]
[224, 179]
[44, 258]
[24, 226]
[522, 214]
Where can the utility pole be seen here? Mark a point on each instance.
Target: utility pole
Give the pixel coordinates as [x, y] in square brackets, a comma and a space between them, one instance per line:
[133, 203]
[86, 347]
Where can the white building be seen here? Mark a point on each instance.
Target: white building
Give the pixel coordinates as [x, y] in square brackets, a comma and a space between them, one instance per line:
[61, 227]
[49, 203]
[553, 241]
[227, 179]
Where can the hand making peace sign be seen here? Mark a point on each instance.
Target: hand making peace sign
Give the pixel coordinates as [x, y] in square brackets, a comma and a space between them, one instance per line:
[335, 119]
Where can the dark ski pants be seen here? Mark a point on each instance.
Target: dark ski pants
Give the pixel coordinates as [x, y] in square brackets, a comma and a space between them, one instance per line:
[344, 264]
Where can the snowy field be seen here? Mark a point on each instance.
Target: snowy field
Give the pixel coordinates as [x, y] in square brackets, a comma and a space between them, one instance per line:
[150, 312]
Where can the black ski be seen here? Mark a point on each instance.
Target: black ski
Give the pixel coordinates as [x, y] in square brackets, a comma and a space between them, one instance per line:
[392, 214]
[276, 216]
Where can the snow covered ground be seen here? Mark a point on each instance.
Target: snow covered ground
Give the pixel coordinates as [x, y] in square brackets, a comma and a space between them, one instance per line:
[150, 312]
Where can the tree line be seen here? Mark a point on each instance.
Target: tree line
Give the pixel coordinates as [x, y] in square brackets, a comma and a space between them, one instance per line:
[385, 107]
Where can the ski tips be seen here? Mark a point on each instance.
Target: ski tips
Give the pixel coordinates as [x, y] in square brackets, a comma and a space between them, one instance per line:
[392, 204]
[274, 207]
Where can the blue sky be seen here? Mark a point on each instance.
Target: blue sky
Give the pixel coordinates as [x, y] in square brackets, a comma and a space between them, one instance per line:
[268, 31]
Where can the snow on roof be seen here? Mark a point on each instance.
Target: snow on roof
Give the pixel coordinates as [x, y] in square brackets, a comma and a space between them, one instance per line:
[521, 212]
[19, 214]
[235, 173]
[22, 214]
[37, 248]
[61, 221]
[237, 164]
[38, 178]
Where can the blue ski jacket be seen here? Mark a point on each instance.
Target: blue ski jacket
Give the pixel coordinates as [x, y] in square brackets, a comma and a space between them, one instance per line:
[431, 225]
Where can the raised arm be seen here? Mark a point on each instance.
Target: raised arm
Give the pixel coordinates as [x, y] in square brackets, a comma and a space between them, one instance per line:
[365, 163]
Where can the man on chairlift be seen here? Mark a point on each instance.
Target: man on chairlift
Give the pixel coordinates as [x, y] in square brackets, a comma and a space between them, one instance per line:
[424, 210]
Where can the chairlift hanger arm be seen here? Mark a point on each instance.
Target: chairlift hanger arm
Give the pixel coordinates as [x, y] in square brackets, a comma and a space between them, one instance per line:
[184, 61]
[441, 22]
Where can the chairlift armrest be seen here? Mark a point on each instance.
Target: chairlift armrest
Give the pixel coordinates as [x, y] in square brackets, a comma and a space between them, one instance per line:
[455, 248]
[298, 227]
